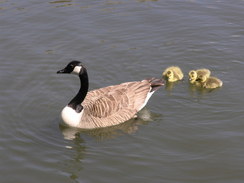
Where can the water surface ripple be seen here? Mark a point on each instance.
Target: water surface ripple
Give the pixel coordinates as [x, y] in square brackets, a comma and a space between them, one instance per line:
[185, 134]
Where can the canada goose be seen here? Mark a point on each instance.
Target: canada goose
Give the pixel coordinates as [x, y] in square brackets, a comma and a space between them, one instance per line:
[193, 75]
[209, 82]
[106, 106]
[173, 74]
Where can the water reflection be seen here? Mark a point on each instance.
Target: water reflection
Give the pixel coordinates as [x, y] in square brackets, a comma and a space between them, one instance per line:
[198, 93]
[198, 90]
[169, 86]
[74, 165]
[129, 127]
[109, 3]
[63, 3]
[143, 1]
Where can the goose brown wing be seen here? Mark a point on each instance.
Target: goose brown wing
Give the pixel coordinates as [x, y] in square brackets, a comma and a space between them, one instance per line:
[113, 100]
[108, 104]
[116, 104]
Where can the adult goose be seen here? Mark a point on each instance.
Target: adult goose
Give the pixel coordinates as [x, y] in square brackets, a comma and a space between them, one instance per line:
[106, 106]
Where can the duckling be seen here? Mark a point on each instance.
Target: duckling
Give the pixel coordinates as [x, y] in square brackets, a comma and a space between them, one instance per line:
[209, 82]
[193, 75]
[173, 74]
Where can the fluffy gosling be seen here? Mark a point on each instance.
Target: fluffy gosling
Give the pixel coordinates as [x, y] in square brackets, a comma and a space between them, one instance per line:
[209, 82]
[172, 74]
[193, 75]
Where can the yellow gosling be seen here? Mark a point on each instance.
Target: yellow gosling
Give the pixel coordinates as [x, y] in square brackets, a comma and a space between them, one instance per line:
[172, 74]
[193, 75]
[209, 82]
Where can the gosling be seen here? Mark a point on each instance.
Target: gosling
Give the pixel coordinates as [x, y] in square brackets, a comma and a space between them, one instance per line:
[209, 82]
[193, 75]
[172, 74]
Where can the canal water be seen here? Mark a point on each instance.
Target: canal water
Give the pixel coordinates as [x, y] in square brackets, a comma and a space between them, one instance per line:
[185, 134]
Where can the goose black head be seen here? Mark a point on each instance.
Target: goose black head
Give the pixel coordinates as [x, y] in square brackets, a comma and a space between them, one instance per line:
[74, 67]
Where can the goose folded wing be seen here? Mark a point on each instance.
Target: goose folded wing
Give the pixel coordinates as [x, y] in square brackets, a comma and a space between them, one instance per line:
[110, 104]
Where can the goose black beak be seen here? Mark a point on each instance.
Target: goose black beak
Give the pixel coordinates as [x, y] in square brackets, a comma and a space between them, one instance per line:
[61, 71]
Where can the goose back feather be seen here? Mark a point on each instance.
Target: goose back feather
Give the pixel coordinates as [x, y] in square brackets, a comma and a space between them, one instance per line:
[113, 105]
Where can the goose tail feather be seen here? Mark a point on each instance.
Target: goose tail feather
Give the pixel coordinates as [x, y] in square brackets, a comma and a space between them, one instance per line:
[155, 84]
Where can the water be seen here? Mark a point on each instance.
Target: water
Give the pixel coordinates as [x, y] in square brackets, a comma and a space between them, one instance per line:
[185, 134]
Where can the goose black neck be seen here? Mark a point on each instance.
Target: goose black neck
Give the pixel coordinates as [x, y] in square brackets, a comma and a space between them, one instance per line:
[75, 103]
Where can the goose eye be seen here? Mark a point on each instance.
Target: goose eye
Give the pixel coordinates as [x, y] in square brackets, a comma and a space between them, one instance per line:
[72, 66]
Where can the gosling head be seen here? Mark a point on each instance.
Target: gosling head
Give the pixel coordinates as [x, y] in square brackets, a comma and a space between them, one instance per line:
[74, 67]
[192, 76]
[170, 75]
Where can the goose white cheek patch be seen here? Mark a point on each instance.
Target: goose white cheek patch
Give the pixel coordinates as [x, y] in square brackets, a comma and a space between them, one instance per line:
[76, 70]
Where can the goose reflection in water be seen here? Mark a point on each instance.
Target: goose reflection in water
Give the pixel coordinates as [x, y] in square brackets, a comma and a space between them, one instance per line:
[78, 137]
